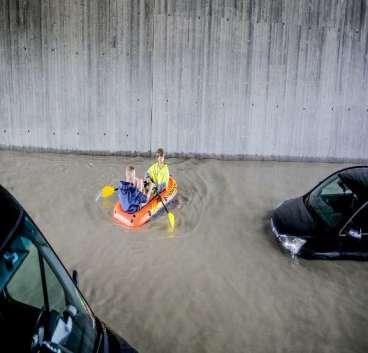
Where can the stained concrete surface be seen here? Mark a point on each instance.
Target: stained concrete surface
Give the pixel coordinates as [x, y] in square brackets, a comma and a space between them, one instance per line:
[221, 283]
[280, 78]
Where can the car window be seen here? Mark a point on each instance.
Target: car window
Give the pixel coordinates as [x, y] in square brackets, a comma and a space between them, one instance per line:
[55, 291]
[26, 286]
[27, 263]
[333, 202]
[360, 221]
[336, 187]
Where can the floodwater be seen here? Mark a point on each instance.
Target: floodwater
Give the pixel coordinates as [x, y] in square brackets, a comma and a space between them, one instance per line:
[219, 283]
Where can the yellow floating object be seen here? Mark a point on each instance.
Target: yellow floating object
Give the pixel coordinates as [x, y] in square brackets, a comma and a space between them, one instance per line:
[107, 191]
[171, 218]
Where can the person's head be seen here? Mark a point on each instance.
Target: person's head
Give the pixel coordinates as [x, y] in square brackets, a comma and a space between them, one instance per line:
[130, 173]
[160, 156]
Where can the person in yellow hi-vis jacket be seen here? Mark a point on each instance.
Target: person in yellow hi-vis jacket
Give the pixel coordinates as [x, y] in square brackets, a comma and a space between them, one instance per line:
[157, 175]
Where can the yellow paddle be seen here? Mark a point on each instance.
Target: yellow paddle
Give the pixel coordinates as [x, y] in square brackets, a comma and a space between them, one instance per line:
[170, 215]
[107, 191]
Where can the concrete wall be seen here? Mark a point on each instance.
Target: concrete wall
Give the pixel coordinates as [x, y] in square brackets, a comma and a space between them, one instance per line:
[261, 78]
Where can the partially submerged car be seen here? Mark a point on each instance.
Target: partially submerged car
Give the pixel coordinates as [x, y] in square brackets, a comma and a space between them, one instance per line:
[330, 221]
[41, 308]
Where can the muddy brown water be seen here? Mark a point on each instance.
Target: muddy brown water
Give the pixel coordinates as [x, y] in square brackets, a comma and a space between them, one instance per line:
[219, 283]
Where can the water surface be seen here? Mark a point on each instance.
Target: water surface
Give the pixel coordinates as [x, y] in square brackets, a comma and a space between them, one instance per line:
[221, 283]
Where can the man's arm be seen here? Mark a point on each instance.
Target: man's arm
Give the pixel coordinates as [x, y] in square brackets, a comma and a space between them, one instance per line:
[150, 173]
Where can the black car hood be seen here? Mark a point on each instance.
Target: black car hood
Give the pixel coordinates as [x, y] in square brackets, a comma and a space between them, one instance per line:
[112, 342]
[117, 344]
[293, 218]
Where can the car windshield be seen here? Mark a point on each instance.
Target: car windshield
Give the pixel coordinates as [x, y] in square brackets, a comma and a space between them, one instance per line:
[332, 201]
[32, 279]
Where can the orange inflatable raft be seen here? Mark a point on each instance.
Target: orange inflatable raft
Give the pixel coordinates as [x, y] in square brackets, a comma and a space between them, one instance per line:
[149, 211]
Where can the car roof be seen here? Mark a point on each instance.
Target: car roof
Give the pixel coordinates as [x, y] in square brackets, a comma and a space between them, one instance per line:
[356, 178]
[10, 215]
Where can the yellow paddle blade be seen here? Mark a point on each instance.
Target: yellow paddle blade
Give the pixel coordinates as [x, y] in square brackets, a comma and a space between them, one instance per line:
[107, 191]
[171, 218]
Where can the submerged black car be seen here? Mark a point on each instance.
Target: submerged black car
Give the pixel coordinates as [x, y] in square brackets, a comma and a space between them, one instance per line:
[330, 221]
[41, 308]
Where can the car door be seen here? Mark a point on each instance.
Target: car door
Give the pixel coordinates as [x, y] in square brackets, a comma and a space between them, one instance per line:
[354, 235]
[30, 286]
[22, 298]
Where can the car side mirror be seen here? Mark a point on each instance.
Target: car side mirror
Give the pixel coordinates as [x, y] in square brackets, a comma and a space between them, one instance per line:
[75, 277]
[355, 233]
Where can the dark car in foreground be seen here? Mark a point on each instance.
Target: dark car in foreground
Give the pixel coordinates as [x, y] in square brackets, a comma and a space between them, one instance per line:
[330, 221]
[41, 308]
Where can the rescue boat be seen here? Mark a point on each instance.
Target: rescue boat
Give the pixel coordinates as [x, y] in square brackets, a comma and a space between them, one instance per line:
[152, 209]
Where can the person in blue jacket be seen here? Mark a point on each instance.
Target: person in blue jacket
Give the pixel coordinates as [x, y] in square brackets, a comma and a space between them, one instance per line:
[130, 192]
